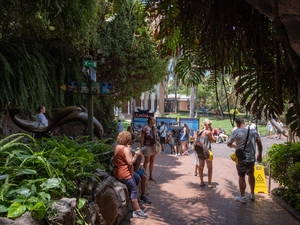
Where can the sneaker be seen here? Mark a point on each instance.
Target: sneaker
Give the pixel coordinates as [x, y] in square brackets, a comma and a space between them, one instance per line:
[139, 214]
[145, 199]
[252, 197]
[240, 199]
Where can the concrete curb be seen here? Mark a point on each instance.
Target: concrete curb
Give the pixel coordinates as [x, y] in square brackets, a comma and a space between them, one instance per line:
[287, 207]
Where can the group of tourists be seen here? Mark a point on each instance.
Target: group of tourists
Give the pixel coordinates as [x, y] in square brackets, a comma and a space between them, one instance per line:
[130, 166]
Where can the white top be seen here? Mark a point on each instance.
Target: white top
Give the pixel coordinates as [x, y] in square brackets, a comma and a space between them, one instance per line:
[41, 118]
[163, 130]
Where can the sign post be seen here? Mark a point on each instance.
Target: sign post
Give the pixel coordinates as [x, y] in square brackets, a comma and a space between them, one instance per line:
[91, 77]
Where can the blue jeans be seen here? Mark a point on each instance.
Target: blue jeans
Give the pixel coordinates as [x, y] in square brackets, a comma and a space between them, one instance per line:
[132, 184]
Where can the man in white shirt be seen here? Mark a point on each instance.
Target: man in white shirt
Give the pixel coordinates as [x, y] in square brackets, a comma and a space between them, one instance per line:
[162, 135]
[251, 125]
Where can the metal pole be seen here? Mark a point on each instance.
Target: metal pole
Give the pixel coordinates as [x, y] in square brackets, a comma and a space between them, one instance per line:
[90, 108]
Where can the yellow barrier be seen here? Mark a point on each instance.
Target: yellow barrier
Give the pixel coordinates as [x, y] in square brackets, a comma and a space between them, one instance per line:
[260, 179]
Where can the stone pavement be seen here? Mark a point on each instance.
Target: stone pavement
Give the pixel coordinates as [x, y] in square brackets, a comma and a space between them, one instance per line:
[177, 197]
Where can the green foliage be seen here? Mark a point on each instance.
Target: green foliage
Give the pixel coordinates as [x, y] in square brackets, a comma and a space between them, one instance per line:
[284, 161]
[41, 47]
[285, 164]
[130, 56]
[39, 172]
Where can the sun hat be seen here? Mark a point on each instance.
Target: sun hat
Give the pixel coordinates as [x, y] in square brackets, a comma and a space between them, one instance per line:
[207, 121]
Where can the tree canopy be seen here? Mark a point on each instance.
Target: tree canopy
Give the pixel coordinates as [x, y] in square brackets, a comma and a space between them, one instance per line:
[232, 37]
[43, 43]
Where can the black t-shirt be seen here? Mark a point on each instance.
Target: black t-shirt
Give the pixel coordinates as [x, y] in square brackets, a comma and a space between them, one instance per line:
[176, 132]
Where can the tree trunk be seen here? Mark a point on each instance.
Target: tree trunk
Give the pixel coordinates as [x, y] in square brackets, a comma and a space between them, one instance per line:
[192, 102]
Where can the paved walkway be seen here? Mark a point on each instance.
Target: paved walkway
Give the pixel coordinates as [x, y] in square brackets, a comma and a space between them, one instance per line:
[177, 197]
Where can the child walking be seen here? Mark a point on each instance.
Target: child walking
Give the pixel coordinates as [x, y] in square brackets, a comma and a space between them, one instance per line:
[171, 142]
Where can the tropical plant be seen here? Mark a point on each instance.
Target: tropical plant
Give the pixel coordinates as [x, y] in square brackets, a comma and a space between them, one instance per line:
[37, 172]
[236, 39]
[285, 168]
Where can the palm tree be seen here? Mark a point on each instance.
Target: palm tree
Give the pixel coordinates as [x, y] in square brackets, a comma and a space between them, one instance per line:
[240, 39]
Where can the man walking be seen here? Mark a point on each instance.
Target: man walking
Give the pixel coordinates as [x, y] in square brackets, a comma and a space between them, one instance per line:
[239, 137]
[176, 130]
[162, 135]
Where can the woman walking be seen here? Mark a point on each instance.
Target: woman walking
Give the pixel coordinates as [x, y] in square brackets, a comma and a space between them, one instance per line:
[148, 139]
[184, 139]
[205, 138]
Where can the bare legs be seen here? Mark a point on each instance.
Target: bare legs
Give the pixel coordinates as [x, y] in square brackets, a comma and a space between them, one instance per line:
[209, 172]
[251, 180]
[150, 160]
[135, 204]
[196, 169]
[183, 146]
[242, 184]
[177, 148]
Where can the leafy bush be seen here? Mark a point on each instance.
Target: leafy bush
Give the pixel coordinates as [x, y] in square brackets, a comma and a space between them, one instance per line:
[284, 161]
[36, 173]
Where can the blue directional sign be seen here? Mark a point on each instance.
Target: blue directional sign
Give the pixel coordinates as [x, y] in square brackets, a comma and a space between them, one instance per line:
[106, 88]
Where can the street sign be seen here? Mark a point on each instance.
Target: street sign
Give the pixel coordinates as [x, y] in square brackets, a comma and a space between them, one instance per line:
[63, 87]
[84, 88]
[72, 87]
[96, 88]
[106, 88]
[90, 63]
[93, 75]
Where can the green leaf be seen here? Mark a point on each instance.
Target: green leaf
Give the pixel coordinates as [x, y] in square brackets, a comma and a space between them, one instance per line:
[81, 202]
[28, 171]
[45, 196]
[25, 192]
[38, 211]
[3, 209]
[51, 183]
[16, 210]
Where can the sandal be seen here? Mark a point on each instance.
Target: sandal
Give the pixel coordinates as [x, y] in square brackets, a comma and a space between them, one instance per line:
[196, 174]
[202, 185]
[210, 186]
[151, 178]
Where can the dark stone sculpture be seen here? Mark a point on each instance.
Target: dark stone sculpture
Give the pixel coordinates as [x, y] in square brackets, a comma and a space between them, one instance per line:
[61, 117]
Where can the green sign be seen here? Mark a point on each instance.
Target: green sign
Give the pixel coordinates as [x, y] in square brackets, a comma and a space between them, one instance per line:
[89, 63]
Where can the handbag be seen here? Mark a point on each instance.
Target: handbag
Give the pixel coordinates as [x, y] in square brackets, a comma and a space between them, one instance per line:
[240, 152]
[157, 148]
[211, 155]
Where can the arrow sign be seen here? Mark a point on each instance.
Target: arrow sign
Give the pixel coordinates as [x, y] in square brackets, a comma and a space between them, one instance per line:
[90, 63]
[63, 87]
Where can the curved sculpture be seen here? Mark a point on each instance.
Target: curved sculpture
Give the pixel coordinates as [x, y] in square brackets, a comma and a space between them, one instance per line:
[61, 117]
